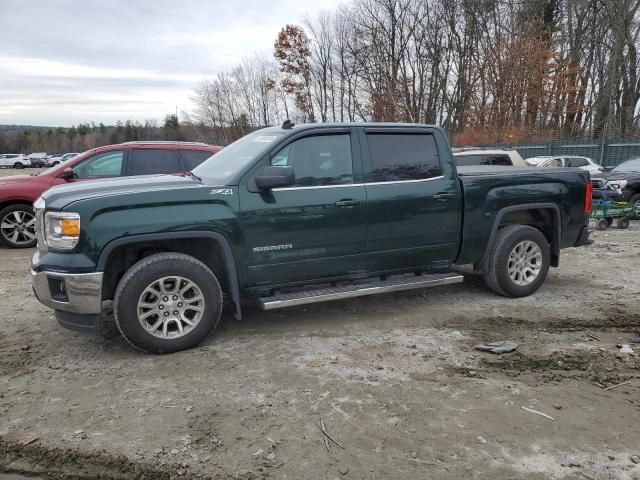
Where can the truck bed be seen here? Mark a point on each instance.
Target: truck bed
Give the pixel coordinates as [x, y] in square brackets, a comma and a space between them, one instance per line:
[490, 192]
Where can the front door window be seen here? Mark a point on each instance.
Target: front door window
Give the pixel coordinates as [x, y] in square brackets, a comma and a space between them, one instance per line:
[319, 160]
[108, 164]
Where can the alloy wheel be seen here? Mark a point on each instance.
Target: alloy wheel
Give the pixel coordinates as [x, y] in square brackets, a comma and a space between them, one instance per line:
[18, 227]
[525, 262]
[170, 307]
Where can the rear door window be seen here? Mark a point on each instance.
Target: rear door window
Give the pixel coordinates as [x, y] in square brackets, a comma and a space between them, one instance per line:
[482, 159]
[150, 161]
[193, 158]
[576, 162]
[403, 156]
[501, 160]
[555, 162]
[468, 160]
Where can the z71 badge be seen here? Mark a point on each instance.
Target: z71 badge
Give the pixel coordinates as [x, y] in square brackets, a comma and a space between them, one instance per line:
[221, 191]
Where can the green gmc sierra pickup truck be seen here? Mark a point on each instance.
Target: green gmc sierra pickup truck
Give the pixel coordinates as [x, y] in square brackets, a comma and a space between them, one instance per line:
[292, 215]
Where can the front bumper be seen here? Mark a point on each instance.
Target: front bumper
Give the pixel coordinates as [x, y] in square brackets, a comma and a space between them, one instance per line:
[75, 297]
[70, 292]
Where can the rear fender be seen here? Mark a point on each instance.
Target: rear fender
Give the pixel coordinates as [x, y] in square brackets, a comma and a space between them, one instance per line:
[555, 234]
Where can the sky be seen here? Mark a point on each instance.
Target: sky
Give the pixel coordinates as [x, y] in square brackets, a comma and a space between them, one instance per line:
[63, 62]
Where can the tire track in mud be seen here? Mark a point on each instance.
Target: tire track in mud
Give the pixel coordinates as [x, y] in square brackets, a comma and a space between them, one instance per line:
[58, 463]
[605, 319]
[558, 348]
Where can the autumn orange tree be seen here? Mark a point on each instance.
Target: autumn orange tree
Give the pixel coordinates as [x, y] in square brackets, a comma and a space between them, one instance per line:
[292, 52]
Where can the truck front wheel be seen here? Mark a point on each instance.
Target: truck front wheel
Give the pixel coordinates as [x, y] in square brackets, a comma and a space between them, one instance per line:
[519, 261]
[167, 302]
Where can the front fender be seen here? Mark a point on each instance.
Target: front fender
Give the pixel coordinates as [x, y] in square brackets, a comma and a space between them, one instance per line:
[221, 241]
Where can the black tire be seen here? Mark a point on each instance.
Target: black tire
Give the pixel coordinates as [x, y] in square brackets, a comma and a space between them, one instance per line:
[18, 165]
[6, 234]
[603, 224]
[143, 274]
[622, 223]
[496, 273]
[635, 201]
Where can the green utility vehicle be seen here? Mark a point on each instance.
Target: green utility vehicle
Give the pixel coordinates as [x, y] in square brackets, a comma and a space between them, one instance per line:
[293, 215]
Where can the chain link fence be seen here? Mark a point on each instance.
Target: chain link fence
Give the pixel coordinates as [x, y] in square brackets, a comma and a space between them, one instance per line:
[606, 152]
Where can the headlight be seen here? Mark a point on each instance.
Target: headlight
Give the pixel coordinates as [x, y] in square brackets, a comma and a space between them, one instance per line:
[61, 229]
[617, 184]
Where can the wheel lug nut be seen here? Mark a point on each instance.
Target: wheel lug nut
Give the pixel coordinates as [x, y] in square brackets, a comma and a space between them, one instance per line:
[176, 312]
[180, 304]
[175, 297]
[161, 307]
[166, 314]
[166, 299]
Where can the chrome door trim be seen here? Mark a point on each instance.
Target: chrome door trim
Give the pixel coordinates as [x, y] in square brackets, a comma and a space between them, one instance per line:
[392, 182]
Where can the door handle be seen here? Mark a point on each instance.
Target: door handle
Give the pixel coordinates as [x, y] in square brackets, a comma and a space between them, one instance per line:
[347, 203]
[443, 196]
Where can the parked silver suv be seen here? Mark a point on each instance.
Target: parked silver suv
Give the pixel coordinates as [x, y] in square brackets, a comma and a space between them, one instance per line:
[488, 156]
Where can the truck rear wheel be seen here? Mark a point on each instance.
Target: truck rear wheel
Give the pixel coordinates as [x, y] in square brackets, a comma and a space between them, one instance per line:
[167, 302]
[519, 261]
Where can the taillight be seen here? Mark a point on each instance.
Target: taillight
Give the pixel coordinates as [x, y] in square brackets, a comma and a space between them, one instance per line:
[588, 192]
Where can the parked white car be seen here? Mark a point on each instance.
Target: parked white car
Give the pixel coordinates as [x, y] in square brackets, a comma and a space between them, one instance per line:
[535, 161]
[14, 160]
[573, 161]
[57, 159]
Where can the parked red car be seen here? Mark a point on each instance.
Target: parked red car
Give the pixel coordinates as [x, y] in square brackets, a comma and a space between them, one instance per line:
[17, 193]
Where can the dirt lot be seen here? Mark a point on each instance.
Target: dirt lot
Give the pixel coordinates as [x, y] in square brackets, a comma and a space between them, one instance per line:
[394, 378]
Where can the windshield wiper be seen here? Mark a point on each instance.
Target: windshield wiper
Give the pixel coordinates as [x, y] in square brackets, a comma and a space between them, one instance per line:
[192, 175]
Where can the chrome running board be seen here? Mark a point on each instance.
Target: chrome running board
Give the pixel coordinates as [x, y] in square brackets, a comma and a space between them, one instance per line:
[358, 290]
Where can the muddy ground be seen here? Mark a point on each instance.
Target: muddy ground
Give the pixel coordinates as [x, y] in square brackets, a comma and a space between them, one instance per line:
[394, 378]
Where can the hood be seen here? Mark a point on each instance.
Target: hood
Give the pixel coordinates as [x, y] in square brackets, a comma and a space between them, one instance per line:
[14, 179]
[60, 196]
[621, 175]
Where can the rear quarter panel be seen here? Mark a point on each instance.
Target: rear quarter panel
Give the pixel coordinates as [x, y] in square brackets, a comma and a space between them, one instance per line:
[488, 192]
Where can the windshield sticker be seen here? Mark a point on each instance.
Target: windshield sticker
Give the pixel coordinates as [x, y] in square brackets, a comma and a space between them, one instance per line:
[265, 138]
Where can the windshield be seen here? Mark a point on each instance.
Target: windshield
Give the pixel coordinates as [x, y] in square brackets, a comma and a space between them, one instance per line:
[628, 166]
[222, 167]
